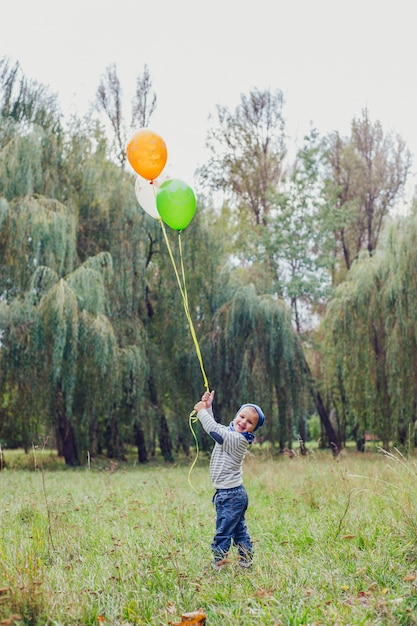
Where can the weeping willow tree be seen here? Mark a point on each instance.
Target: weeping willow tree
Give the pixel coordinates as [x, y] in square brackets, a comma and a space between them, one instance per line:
[64, 202]
[61, 356]
[23, 413]
[355, 331]
[35, 231]
[255, 356]
[63, 367]
[401, 324]
[174, 364]
[371, 335]
[31, 135]
[98, 385]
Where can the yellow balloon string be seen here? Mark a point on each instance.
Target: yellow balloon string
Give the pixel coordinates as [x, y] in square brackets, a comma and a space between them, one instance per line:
[192, 418]
[184, 295]
[193, 334]
[183, 290]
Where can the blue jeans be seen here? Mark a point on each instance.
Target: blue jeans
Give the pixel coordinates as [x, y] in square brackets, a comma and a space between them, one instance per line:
[231, 506]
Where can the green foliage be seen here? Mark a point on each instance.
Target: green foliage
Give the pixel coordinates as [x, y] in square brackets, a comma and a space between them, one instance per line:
[371, 334]
[65, 202]
[25, 102]
[88, 283]
[298, 242]
[31, 136]
[35, 231]
[355, 322]
[95, 341]
[314, 429]
[23, 415]
[82, 352]
[258, 359]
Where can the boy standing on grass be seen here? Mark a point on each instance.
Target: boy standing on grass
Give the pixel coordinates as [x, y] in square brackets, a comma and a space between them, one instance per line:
[231, 500]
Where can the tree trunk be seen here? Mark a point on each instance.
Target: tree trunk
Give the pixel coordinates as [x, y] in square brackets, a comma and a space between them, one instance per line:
[184, 444]
[359, 441]
[323, 414]
[163, 435]
[165, 439]
[66, 433]
[324, 417]
[58, 441]
[140, 443]
[283, 435]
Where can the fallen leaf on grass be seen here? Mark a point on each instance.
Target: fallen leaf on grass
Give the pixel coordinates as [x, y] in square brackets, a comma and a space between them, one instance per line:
[362, 598]
[171, 609]
[264, 593]
[409, 577]
[196, 618]
[349, 536]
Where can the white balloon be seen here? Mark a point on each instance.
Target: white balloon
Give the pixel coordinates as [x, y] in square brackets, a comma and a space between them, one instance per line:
[145, 191]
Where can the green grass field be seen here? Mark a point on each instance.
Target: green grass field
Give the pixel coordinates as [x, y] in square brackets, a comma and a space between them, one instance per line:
[335, 543]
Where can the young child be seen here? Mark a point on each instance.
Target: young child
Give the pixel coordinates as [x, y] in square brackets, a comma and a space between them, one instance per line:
[230, 498]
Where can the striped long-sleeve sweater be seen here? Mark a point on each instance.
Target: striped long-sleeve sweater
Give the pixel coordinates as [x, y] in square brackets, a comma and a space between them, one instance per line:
[228, 453]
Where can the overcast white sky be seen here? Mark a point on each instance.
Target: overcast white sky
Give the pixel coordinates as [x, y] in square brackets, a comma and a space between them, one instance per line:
[331, 59]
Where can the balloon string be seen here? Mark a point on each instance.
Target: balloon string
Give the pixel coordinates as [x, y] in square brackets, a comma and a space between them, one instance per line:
[193, 334]
[184, 295]
[193, 418]
[183, 290]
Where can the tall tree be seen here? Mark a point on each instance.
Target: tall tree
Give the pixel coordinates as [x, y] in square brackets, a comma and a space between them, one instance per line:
[144, 100]
[31, 135]
[371, 338]
[109, 99]
[266, 218]
[23, 415]
[99, 207]
[24, 101]
[368, 172]
[298, 243]
[248, 148]
[258, 358]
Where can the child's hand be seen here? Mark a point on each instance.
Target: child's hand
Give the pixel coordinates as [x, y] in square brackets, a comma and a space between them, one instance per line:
[205, 402]
[208, 398]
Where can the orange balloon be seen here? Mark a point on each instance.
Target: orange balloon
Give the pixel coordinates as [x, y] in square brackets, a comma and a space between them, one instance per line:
[147, 153]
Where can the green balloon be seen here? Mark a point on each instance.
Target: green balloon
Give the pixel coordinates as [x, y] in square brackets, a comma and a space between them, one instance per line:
[176, 203]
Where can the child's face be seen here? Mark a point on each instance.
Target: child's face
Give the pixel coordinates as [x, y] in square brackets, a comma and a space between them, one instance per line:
[246, 420]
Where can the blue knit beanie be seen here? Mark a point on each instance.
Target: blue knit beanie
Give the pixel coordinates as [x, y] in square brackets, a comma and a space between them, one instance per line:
[261, 416]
